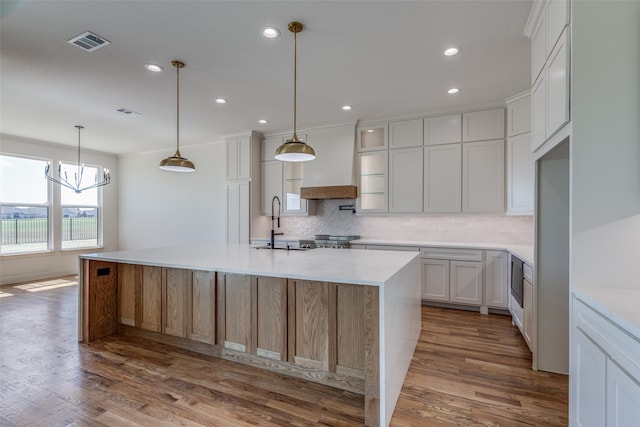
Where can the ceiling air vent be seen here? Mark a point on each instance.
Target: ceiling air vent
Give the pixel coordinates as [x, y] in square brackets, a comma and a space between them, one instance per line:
[89, 41]
[128, 112]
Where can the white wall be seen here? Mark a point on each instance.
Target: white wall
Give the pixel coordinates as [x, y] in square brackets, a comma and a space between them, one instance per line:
[19, 268]
[160, 208]
[606, 144]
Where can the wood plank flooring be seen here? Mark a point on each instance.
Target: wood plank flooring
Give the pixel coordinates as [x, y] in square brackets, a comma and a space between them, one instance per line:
[468, 370]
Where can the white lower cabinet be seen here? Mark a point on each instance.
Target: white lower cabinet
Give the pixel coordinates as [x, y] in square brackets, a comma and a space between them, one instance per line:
[604, 376]
[435, 280]
[465, 285]
[496, 279]
[527, 301]
[623, 397]
[456, 280]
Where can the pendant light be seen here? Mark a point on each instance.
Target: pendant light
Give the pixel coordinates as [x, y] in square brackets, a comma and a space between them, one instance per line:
[177, 163]
[294, 150]
[63, 179]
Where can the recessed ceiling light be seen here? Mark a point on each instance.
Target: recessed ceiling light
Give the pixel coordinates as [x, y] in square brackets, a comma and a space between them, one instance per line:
[453, 90]
[451, 51]
[370, 130]
[153, 67]
[221, 101]
[270, 32]
[263, 121]
[347, 107]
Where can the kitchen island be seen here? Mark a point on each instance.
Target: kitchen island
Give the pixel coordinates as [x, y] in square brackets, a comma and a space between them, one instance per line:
[346, 318]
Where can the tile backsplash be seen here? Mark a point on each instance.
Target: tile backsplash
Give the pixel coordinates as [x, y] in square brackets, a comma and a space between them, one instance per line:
[329, 219]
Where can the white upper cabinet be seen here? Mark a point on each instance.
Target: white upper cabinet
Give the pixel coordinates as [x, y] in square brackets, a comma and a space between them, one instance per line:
[483, 125]
[483, 176]
[405, 179]
[238, 212]
[373, 137]
[519, 115]
[443, 130]
[373, 181]
[269, 147]
[443, 178]
[238, 158]
[405, 134]
[557, 17]
[538, 49]
[334, 162]
[272, 172]
[558, 86]
[520, 175]
[539, 113]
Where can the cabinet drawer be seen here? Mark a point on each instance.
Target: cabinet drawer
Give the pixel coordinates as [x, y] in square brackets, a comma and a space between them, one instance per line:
[527, 272]
[452, 254]
[621, 347]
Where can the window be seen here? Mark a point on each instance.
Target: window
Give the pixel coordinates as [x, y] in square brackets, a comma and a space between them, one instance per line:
[80, 222]
[24, 205]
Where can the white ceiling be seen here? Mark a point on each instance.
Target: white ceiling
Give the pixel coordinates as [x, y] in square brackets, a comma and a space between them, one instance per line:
[383, 57]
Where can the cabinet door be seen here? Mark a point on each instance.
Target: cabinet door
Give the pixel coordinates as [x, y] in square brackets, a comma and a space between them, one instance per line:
[539, 112]
[527, 302]
[271, 317]
[151, 299]
[465, 286]
[538, 48]
[244, 157]
[373, 189]
[405, 134]
[443, 178]
[558, 86]
[293, 178]
[483, 125]
[202, 303]
[623, 397]
[405, 180]
[310, 312]
[519, 116]
[128, 278]
[443, 130]
[271, 184]
[435, 280]
[238, 212]
[483, 176]
[496, 279]
[520, 175]
[557, 18]
[269, 147]
[372, 137]
[350, 327]
[175, 290]
[234, 314]
[588, 382]
[231, 151]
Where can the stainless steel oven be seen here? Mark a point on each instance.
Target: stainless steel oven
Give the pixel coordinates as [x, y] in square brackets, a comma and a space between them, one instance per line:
[516, 279]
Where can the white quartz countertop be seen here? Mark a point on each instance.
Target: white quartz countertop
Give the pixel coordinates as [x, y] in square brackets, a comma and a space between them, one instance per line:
[524, 252]
[617, 304]
[331, 265]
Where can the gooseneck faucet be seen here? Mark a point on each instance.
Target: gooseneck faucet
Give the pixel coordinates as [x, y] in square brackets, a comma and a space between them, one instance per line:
[274, 218]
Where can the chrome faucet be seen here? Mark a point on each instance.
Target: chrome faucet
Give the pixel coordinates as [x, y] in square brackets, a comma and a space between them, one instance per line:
[274, 218]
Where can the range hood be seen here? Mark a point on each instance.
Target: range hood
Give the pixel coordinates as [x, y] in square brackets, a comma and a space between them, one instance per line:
[329, 192]
[330, 175]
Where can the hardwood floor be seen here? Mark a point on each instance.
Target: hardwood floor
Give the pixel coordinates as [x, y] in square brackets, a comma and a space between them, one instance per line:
[468, 369]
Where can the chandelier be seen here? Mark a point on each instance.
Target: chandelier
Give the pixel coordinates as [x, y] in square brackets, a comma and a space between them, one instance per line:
[75, 184]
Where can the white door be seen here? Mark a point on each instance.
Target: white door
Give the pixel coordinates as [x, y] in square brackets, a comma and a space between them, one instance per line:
[623, 398]
[443, 178]
[495, 279]
[483, 176]
[405, 179]
[588, 382]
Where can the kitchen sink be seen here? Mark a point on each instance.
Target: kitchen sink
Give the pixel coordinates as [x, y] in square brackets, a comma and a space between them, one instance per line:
[281, 248]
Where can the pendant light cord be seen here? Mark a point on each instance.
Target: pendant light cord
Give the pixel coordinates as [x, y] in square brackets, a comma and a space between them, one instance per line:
[295, 79]
[178, 110]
